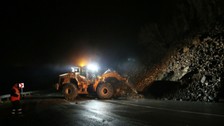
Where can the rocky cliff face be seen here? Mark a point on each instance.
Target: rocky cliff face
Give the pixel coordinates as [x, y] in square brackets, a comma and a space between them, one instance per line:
[181, 53]
[198, 66]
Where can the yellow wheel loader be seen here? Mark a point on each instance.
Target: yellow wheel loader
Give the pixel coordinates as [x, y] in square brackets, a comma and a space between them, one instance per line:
[80, 81]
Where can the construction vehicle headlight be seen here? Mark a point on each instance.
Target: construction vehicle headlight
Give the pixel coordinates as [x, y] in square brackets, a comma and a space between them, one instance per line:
[93, 67]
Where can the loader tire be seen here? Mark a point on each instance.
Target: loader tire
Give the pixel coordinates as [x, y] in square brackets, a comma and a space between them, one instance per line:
[105, 91]
[70, 92]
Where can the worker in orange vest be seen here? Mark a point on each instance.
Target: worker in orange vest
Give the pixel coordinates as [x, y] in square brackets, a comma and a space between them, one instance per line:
[15, 100]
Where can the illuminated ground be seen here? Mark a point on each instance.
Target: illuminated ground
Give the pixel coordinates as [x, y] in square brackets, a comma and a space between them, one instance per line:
[53, 110]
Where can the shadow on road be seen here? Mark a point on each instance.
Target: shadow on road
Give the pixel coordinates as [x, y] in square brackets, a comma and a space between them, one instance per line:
[161, 89]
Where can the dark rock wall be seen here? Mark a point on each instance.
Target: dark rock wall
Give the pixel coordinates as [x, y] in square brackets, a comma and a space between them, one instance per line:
[185, 45]
[198, 66]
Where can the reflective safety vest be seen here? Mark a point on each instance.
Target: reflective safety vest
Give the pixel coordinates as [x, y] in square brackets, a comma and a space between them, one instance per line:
[15, 98]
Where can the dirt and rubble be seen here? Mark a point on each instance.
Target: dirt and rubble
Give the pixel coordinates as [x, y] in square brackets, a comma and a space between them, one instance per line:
[126, 91]
[196, 70]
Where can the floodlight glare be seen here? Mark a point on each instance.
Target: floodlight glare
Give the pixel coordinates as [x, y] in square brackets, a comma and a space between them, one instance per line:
[93, 67]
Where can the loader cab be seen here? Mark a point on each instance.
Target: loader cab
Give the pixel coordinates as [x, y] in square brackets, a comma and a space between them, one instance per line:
[90, 72]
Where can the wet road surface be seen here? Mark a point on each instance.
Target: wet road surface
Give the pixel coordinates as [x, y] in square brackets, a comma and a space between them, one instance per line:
[50, 110]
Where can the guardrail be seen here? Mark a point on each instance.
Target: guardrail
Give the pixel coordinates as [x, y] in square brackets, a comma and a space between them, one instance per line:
[6, 97]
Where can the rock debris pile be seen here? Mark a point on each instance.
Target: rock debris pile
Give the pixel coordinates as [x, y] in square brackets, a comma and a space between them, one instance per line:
[199, 67]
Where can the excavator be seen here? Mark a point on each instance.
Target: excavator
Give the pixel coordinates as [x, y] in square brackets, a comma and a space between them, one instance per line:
[85, 81]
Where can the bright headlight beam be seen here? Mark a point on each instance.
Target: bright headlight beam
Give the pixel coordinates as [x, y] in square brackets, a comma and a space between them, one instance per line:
[93, 67]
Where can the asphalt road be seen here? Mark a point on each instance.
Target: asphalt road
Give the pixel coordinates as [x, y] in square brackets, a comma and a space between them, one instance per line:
[53, 110]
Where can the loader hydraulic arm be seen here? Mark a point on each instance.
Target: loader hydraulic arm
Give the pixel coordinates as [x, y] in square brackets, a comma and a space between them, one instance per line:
[114, 75]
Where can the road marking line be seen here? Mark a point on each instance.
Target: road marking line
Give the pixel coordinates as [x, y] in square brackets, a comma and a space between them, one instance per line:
[183, 111]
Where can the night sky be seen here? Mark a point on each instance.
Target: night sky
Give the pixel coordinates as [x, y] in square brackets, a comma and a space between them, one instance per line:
[47, 33]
